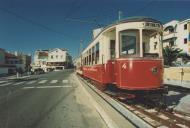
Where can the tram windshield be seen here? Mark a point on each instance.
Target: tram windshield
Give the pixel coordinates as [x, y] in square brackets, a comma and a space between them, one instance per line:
[130, 44]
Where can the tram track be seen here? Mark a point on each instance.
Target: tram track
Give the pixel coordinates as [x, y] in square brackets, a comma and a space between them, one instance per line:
[161, 118]
[158, 117]
[142, 116]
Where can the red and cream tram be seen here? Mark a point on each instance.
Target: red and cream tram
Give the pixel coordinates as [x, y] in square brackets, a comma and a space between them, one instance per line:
[127, 55]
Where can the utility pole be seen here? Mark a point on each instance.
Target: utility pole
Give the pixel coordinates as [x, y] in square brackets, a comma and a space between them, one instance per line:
[119, 15]
[81, 47]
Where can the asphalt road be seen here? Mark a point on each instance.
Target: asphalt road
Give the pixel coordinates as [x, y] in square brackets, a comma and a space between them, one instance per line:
[54, 100]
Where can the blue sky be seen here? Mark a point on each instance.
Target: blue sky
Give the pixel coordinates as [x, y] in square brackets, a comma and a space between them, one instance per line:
[27, 25]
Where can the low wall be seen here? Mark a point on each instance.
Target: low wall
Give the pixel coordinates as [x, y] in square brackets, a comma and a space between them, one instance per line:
[179, 76]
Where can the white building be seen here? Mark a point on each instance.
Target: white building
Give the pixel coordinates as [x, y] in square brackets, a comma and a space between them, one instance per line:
[57, 58]
[177, 34]
[40, 59]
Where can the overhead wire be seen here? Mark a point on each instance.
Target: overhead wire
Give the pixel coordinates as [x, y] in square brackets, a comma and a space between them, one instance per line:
[71, 10]
[143, 8]
[26, 19]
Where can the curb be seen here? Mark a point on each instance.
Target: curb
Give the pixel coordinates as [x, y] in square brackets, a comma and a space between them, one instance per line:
[109, 122]
[22, 78]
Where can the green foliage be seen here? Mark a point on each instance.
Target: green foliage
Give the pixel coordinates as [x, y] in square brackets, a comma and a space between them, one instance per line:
[170, 54]
[184, 56]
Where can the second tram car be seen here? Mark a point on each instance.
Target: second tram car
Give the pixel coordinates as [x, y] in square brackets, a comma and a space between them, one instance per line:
[124, 55]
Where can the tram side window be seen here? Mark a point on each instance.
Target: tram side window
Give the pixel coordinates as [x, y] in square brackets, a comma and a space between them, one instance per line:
[97, 53]
[128, 44]
[87, 59]
[112, 49]
[89, 56]
[93, 51]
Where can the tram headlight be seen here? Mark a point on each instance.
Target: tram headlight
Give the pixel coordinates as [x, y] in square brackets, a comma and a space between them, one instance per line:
[154, 70]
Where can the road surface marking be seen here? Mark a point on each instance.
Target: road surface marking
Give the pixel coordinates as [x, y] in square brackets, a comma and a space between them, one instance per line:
[19, 83]
[31, 82]
[65, 81]
[2, 82]
[6, 84]
[68, 86]
[53, 81]
[42, 82]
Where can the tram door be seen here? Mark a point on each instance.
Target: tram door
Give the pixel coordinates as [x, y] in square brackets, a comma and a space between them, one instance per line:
[112, 49]
[111, 62]
[144, 48]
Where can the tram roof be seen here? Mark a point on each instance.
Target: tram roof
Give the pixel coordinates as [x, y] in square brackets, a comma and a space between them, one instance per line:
[132, 19]
[139, 19]
[127, 20]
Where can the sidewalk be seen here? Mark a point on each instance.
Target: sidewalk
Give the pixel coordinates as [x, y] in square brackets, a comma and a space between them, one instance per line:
[14, 77]
[177, 83]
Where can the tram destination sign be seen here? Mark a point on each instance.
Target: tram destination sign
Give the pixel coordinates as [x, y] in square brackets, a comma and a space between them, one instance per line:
[151, 25]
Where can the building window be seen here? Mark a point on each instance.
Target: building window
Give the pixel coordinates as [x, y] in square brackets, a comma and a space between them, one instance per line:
[61, 56]
[185, 41]
[185, 27]
[56, 56]
[171, 43]
[155, 45]
[51, 56]
[171, 30]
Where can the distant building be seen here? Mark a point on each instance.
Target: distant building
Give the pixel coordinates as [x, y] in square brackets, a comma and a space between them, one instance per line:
[25, 60]
[10, 63]
[13, 63]
[40, 58]
[2, 56]
[3, 66]
[176, 34]
[57, 58]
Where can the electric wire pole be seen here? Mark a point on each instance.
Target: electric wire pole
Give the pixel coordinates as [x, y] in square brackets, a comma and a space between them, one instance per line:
[119, 15]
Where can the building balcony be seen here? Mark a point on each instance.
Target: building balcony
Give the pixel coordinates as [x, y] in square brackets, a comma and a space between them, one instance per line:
[169, 36]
